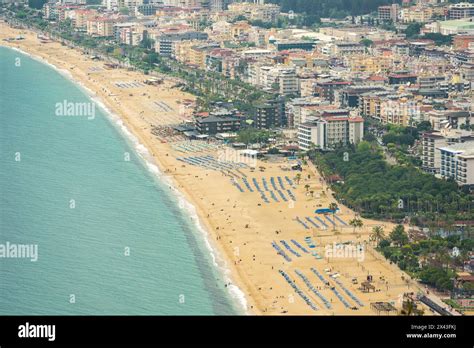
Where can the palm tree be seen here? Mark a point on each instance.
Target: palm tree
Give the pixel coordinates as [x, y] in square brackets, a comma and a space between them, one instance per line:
[333, 206]
[307, 187]
[377, 234]
[408, 308]
[443, 258]
[356, 223]
[312, 148]
[298, 178]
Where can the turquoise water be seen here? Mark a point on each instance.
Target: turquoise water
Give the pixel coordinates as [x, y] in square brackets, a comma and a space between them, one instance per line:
[119, 204]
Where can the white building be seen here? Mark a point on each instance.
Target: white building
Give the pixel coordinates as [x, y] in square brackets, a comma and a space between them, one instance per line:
[329, 132]
[293, 109]
[434, 140]
[457, 162]
[281, 78]
[347, 49]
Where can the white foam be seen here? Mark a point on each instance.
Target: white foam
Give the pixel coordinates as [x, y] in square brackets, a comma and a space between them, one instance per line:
[218, 261]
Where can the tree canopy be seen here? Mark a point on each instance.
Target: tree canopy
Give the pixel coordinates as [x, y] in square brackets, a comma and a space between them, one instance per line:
[378, 190]
[331, 8]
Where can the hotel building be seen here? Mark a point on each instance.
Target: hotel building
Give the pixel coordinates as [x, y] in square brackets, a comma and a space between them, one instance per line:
[328, 132]
[457, 162]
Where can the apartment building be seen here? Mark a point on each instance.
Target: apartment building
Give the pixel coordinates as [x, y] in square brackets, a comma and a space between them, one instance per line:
[419, 14]
[401, 110]
[287, 80]
[350, 96]
[307, 87]
[185, 3]
[390, 108]
[294, 107]
[267, 116]
[329, 132]
[218, 122]
[100, 26]
[389, 13]
[326, 88]
[368, 64]
[219, 60]
[129, 33]
[145, 10]
[280, 77]
[181, 50]
[347, 49]
[453, 119]
[434, 140]
[370, 104]
[81, 17]
[165, 39]
[402, 78]
[240, 29]
[255, 11]
[457, 163]
[461, 10]
[198, 55]
[219, 5]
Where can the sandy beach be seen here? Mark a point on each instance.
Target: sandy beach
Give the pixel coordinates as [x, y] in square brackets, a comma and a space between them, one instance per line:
[241, 225]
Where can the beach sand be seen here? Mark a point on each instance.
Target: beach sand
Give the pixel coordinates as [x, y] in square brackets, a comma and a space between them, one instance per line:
[241, 226]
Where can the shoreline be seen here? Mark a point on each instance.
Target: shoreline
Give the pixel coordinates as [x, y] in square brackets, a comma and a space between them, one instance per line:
[156, 169]
[238, 227]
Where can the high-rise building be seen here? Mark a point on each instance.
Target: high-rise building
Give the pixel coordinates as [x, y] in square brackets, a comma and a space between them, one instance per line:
[389, 12]
[329, 132]
[461, 10]
[267, 116]
[219, 5]
[457, 162]
[185, 3]
[434, 140]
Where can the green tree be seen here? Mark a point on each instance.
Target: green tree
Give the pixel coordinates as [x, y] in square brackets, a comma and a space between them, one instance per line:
[366, 42]
[298, 178]
[333, 207]
[413, 29]
[356, 223]
[377, 234]
[398, 235]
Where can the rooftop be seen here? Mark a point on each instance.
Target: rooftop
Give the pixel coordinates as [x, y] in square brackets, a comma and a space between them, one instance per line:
[466, 149]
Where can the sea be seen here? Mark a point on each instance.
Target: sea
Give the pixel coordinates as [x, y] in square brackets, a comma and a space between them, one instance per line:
[112, 235]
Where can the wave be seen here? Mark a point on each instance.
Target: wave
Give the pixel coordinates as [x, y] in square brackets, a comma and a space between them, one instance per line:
[184, 204]
[141, 150]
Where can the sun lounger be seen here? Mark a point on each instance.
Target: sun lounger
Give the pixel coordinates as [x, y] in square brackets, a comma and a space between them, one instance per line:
[333, 289]
[298, 290]
[302, 223]
[312, 222]
[321, 221]
[327, 304]
[299, 246]
[340, 220]
[280, 251]
[289, 248]
[349, 293]
[332, 222]
[272, 194]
